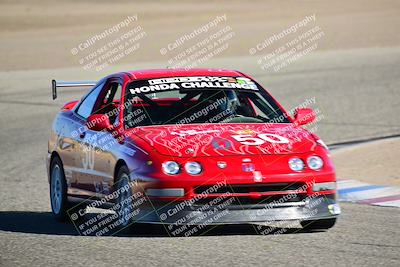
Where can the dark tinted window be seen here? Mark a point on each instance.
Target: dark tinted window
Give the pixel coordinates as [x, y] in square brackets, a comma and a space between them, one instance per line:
[86, 107]
[109, 101]
[199, 99]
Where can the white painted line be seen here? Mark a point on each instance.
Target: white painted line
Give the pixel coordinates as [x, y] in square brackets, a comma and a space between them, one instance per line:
[342, 184]
[368, 194]
[393, 203]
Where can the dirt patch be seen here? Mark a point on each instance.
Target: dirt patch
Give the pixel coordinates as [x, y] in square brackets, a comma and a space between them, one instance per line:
[374, 163]
[41, 34]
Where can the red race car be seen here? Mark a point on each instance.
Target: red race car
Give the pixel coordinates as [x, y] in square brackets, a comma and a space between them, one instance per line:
[187, 147]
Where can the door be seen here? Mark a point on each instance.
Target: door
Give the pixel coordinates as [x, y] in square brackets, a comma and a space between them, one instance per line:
[95, 160]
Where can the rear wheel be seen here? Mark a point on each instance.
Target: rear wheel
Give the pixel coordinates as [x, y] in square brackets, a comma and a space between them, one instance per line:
[318, 224]
[58, 190]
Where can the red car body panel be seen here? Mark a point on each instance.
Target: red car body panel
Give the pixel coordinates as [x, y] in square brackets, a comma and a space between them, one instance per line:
[144, 149]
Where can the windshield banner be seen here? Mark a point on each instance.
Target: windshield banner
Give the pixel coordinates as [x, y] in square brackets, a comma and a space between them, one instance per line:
[195, 82]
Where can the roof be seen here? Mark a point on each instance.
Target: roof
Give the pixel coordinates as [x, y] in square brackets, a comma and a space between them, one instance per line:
[158, 73]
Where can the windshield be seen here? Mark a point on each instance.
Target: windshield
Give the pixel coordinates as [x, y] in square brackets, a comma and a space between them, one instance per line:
[199, 99]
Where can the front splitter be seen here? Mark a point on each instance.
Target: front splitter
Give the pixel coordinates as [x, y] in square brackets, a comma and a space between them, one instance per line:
[173, 213]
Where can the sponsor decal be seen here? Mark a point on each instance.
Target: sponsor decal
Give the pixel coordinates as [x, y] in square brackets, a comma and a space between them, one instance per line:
[193, 132]
[195, 82]
[128, 151]
[221, 144]
[244, 131]
[248, 167]
[102, 187]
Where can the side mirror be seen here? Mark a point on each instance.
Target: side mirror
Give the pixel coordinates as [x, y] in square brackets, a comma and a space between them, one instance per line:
[98, 122]
[70, 105]
[304, 116]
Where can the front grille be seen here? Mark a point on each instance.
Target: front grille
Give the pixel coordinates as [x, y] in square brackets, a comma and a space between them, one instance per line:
[249, 188]
[244, 202]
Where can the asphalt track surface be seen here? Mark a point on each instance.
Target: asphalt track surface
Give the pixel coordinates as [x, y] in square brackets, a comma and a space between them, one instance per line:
[358, 93]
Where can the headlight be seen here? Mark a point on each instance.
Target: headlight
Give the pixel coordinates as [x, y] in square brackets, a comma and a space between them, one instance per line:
[315, 162]
[170, 167]
[193, 168]
[296, 164]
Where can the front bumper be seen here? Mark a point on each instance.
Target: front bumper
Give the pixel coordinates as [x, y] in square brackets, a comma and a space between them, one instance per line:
[224, 200]
[184, 213]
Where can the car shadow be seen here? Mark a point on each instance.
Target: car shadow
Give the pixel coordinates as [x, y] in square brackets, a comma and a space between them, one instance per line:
[34, 223]
[44, 223]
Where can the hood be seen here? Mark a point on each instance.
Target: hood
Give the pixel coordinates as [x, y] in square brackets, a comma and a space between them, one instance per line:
[207, 140]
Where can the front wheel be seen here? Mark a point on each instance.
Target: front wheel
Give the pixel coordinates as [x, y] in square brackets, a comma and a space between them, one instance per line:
[124, 199]
[323, 224]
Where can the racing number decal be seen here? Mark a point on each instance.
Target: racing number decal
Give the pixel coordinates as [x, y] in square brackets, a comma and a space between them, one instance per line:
[88, 159]
[247, 139]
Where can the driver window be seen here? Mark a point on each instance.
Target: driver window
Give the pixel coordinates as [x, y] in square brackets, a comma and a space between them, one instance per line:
[109, 101]
[86, 106]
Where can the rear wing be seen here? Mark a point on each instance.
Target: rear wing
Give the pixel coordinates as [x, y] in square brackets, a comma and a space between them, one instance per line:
[58, 84]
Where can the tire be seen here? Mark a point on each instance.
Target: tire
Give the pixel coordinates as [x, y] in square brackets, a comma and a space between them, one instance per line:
[124, 199]
[318, 224]
[58, 191]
